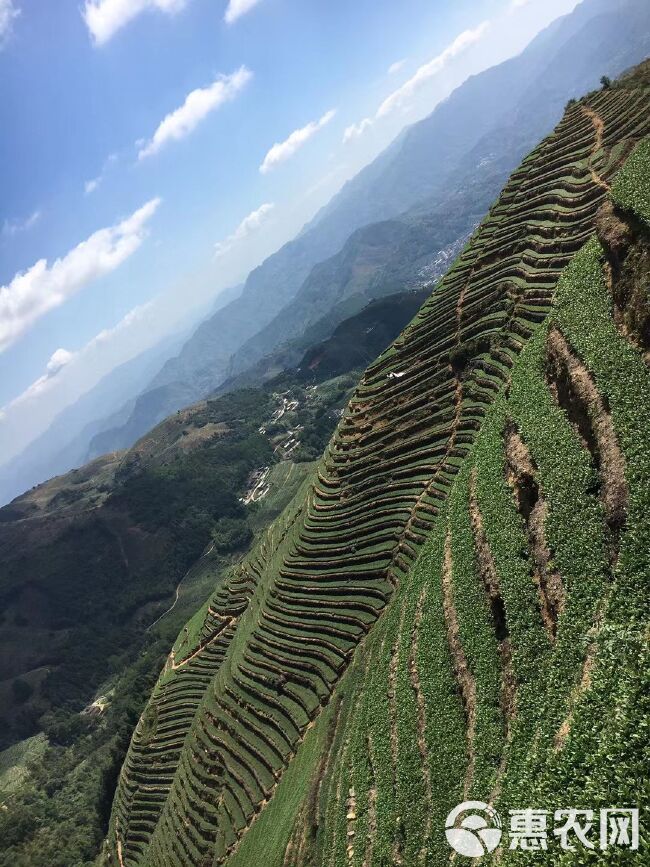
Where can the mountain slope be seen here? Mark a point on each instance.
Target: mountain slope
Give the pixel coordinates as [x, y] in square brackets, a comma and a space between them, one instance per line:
[321, 655]
[563, 62]
[66, 442]
[93, 587]
[478, 134]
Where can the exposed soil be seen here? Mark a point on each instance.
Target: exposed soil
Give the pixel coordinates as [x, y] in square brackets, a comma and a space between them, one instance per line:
[585, 682]
[576, 393]
[599, 128]
[521, 476]
[626, 243]
[351, 817]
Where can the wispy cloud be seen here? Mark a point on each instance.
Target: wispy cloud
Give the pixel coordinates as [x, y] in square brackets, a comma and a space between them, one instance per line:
[395, 67]
[15, 227]
[357, 129]
[517, 4]
[91, 185]
[62, 358]
[105, 17]
[237, 8]
[198, 104]
[33, 293]
[283, 150]
[8, 12]
[248, 225]
[403, 96]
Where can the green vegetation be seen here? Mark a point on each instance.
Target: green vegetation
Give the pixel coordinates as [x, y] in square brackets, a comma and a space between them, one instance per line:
[434, 612]
[177, 492]
[631, 188]
[184, 489]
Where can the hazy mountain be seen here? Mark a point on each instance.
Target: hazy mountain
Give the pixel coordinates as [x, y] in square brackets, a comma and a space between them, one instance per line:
[563, 62]
[465, 149]
[66, 441]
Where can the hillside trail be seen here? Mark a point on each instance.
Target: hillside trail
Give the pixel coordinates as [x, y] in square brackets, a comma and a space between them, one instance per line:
[599, 129]
[178, 590]
[229, 622]
[120, 854]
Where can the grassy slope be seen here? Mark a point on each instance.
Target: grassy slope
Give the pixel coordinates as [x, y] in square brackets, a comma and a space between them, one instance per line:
[216, 737]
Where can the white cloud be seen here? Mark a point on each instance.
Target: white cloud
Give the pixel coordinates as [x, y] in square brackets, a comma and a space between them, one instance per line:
[237, 8]
[357, 129]
[395, 67]
[58, 360]
[105, 17]
[249, 224]
[14, 227]
[33, 293]
[283, 150]
[63, 358]
[517, 4]
[8, 12]
[198, 104]
[91, 185]
[403, 96]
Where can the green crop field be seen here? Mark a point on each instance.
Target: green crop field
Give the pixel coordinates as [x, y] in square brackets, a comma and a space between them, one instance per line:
[454, 604]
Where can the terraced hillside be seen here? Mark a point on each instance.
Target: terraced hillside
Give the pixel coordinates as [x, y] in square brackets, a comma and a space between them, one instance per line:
[388, 647]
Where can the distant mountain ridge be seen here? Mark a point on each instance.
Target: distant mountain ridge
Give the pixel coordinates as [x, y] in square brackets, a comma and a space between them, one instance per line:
[479, 133]
[66, 441]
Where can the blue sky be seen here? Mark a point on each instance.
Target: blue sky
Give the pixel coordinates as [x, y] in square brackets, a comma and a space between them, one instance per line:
[160, 149]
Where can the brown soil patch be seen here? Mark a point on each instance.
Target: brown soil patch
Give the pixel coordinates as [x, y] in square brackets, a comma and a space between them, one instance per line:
[626, 243]
[576, 393]
[599, 128]
[521, 476]
[351, 817]
[585, 682]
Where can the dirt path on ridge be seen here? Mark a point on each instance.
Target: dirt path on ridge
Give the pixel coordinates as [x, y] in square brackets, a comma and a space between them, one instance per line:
[599, 129]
